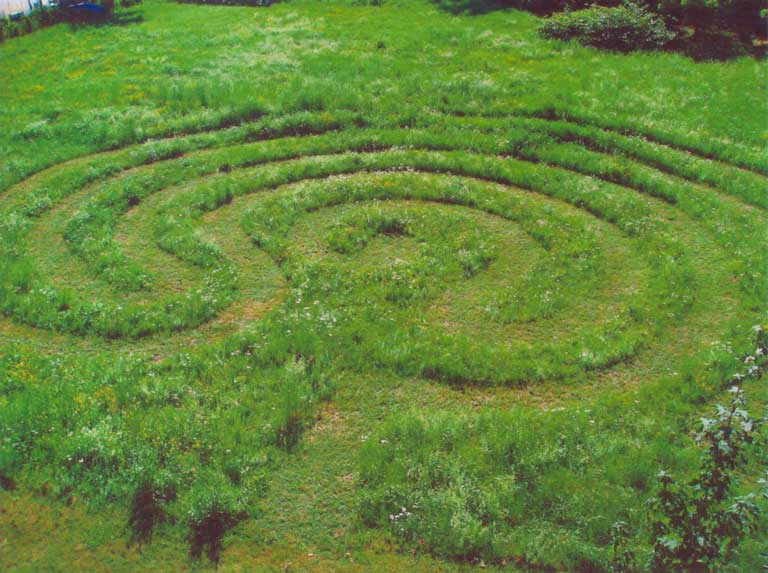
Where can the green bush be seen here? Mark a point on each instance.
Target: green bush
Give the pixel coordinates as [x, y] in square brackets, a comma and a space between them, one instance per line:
[623, 28]
[698, 525]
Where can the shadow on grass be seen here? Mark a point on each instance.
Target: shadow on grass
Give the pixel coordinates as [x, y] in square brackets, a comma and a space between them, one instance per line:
[717, 47]
[145, 515]
[471, 6]
[207, 536]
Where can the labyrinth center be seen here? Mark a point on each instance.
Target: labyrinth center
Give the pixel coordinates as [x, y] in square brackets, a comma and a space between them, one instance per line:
[465, 249]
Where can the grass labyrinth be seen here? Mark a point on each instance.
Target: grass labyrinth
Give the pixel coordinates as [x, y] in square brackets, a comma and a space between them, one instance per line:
[500, 315]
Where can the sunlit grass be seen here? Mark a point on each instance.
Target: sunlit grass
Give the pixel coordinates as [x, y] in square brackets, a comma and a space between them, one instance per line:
[362, 282]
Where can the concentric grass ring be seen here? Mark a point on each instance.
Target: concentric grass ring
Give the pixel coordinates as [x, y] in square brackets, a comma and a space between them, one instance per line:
[148, 201]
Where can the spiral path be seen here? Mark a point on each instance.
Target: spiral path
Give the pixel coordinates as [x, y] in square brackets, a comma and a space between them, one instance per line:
[501, 249]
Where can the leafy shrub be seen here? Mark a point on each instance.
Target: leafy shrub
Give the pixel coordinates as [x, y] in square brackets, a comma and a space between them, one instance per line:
[623, 28]
[698, 525]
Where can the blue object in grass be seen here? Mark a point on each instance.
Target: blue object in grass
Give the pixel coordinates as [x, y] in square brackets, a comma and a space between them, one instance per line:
[87, 6]
[86, 10]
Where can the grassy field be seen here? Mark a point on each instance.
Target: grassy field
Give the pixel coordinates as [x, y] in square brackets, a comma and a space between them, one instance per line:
[364, 288]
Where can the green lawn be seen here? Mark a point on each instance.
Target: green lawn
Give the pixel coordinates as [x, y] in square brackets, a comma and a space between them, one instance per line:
[367, 288]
